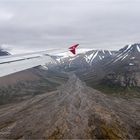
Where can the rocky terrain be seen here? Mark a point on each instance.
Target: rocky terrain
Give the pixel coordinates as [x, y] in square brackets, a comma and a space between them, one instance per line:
[72, 111]
[26, 84]
[124, 68]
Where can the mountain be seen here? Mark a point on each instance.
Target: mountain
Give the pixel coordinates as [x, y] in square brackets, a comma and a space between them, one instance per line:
[120, 70]
[124, 67]
[129, 54]
[112, 68]
[29, 83]
[3, 53]
[102, 67]
[83, 60]
[73, 111]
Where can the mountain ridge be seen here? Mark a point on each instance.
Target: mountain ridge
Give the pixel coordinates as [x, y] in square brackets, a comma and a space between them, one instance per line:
[72, 111]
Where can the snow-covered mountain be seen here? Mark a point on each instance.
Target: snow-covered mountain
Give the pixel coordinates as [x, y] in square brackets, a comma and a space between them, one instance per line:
[3, 53]
[130, 53]
[120, 69]
[85, 58]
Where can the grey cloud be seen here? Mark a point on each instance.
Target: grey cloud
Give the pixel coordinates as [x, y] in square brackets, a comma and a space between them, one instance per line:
[103, 24]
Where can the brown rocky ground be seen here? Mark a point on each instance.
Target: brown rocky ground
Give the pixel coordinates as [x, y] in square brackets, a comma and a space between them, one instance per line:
[29, 83]
[72, 111]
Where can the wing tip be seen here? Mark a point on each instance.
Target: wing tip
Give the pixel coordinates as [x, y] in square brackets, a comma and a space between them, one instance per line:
[72, 49]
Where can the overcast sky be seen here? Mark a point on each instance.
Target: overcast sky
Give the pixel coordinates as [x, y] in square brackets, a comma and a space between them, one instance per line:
[33, 25]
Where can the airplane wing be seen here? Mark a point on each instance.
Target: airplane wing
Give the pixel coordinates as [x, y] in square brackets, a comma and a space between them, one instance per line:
[14, 63]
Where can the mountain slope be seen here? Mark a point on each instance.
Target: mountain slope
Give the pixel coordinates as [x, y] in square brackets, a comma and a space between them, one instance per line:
[28, 83]
[73, 111]
[3, 53]
[122, 69]
[83, 60]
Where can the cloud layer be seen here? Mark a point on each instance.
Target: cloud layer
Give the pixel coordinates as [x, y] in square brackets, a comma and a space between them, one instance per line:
[43, 24]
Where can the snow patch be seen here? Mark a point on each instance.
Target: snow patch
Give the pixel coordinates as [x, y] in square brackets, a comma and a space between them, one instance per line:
[131, 64]
[110, 52]
[124, 57]
[103, 51]
[138, 48]
[100, 57]
[132, 58]
[95, 54]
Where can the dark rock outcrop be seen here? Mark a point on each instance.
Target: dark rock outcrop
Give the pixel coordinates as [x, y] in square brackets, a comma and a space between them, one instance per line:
[3, 53]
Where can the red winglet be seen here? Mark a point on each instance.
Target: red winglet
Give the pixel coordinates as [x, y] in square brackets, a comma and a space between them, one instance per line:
[73, 48]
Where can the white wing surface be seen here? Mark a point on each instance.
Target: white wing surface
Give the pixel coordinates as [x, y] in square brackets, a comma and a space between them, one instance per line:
[15, 63]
